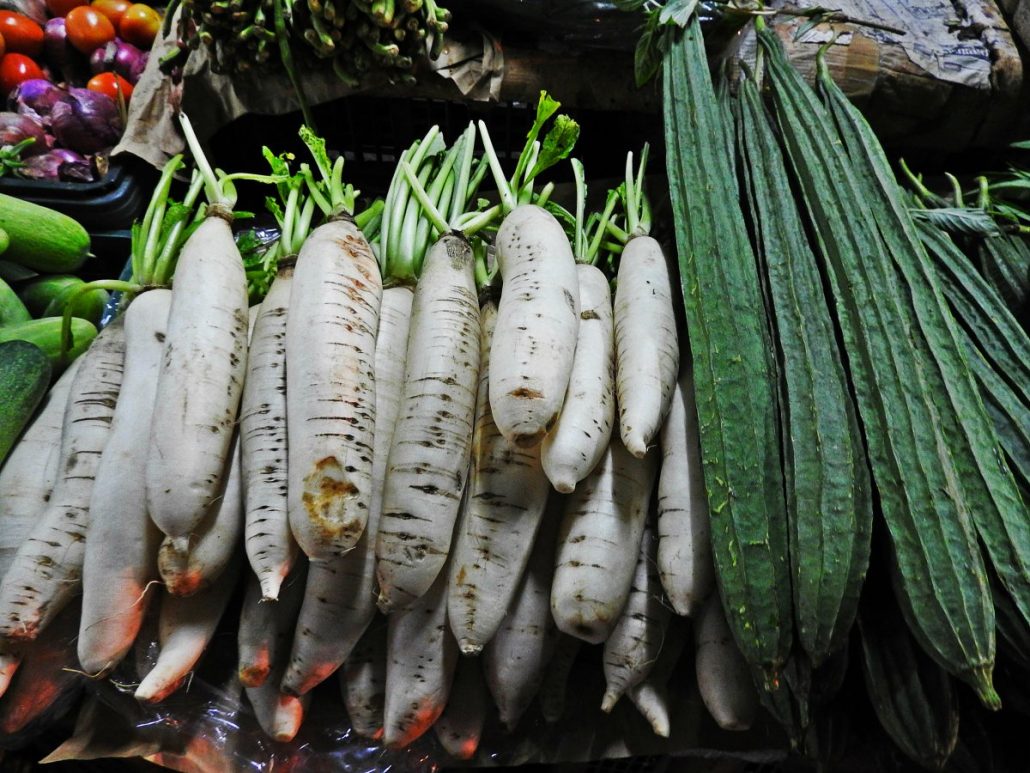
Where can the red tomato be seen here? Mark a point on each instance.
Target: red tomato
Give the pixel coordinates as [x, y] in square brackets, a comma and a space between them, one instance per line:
[112, 9]
[15, 68]
[3, 47]
[61, 7]
[140, 25]
[88, 29]
[21, 34]
[108, 83]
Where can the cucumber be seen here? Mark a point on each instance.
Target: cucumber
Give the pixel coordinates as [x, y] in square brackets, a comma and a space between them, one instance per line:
[5, 241]
[829, 502]
[733, 365]
[24, 379]
[46, 334]
[47, 296]
[41, 238]
[12, 310]
[940, 574]
[982, 484]
[38, 293]
[912, 696]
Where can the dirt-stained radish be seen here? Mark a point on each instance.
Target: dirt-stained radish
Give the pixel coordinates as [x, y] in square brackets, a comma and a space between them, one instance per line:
[119, 562]
[330, 388]
[684, 552]
[537, 325]
[633, 646]
[429, 453]
[460, 727]
[506, 497]
[363, 682]
[598, 543]
[212, 547]
[420, 658]
[263, 636]
[575, 446]
[47, 570]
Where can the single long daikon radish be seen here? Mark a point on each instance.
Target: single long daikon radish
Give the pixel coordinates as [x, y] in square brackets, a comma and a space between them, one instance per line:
[723, 677]
[684, 550]
[47, 569]
[363, 681]
[599, 541]
[201, 379]
[340, 600]
[263, 637]
[420, 658]
[460, 726]
[507, 494]
[214, 544]
[537, 325]
[584, 428]
[122, 544]
[516, 658]
[632, 649]
[330, 388]
[270, 546]
[429, 454]
[185, 628]
[646, 343]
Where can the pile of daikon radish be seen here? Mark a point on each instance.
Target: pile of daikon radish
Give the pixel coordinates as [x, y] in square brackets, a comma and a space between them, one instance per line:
[441, 452]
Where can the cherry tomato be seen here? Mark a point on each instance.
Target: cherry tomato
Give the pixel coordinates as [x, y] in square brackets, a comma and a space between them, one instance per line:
[61, 7]
[140, 25]
[21, 34]
[112, 9]
[109, 83]
[15, 68]
[88, 29]
[3, 47]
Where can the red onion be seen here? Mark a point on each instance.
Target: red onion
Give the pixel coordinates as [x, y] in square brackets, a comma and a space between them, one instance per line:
[87, 122]
[119, 57]
[35, 99]
[59, 164]
[60, 53]
[14, 128]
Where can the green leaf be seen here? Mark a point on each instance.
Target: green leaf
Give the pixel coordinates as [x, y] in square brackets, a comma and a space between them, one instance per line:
[563, 216]
[965, 220]
[677, 12]
[277, 211]
[1024, 145]
[650, 51]
[557, 145]
[545, 108]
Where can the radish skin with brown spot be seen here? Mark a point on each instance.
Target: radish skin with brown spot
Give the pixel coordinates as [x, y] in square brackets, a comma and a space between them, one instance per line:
[214, 543]
[201, 380]
[723, 677]
[515, 660]
[330, 389]
[340, 600]
[26, 482]
[684, 550]
[506, 497]
[599, 541]
[270, 546]
[429, 452]
[420, 658]
[363, 682]
[577, 443]
[263, 636]
[632, 649]
[185, 628]
[646, 343]
[47, 569]
[123, 541]
[537, 325]
[460, 727]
